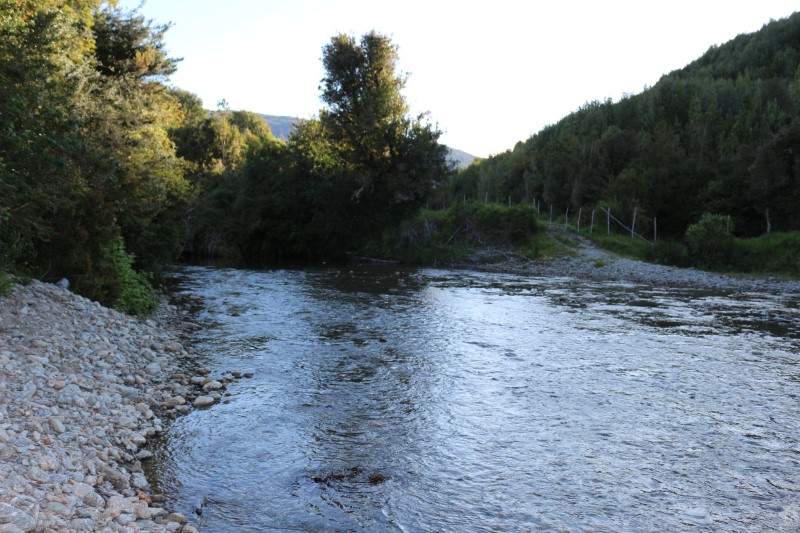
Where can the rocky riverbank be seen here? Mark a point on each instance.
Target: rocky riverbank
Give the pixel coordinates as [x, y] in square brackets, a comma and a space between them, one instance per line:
[82, 388]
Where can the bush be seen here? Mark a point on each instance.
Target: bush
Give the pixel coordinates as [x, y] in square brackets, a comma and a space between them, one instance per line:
[709, 241]
[668, 252]
[133, 292]
[449, 234]
[5, 284]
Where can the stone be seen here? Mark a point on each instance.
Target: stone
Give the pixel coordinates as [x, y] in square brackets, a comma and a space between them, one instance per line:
[57, 507]
[143, 455]
[138, 439]
[139, 481]
[153, 368]
[57, 425]
[37, 474]
[10, 515]
[83, 524]
[213, 385]
[174, 401]
[178, 517]
[118, 479]
[203, 401]
[143, 512]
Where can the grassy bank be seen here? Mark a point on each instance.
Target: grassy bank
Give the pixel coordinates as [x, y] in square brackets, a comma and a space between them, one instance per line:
[775, 254]
[454, 234]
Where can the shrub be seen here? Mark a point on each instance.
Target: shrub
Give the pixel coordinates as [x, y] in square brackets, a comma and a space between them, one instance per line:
[133, 291]
[709, 241]
[5, 284]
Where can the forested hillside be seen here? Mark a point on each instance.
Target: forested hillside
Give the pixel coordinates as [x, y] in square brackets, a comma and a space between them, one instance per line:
[721, 135]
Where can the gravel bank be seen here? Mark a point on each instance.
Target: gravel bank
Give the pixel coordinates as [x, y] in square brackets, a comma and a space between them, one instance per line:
[82, 388]
[593, 263]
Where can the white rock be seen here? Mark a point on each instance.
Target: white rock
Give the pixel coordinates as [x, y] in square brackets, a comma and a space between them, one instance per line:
[57, 425]
[11, 516]
[139, 481]
[203, 401]
[213, 385]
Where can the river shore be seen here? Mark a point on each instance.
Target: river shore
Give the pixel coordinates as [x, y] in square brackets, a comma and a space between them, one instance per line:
[82, 389]
[590, 262]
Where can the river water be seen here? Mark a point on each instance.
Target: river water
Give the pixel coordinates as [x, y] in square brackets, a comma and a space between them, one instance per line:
[388, 399]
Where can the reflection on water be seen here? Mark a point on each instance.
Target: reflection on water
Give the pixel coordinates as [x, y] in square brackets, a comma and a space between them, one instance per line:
[428, 400]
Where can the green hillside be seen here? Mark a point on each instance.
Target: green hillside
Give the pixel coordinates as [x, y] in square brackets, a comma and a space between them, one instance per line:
[721, 135]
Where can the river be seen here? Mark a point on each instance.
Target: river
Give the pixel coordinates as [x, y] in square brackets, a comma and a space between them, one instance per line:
[393, 399]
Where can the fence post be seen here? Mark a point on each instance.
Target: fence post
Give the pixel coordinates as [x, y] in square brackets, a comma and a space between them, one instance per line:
[509, 200]
[591, 226]
[633, 224]
[655, 230]
[566, 218]
[728, 225]
[580, 211]
[608, 220]
[769, 226]
[551, 216]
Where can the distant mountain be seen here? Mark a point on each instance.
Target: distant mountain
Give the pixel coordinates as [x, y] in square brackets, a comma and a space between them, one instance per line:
[282, 126]
[461, 158]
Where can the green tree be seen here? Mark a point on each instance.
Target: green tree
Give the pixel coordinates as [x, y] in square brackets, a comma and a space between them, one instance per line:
[396, 160]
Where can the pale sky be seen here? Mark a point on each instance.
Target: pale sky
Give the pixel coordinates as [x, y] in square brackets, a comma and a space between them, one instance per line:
[490, 72]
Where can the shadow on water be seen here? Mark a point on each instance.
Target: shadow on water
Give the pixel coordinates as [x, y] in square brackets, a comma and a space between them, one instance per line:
[413, 400]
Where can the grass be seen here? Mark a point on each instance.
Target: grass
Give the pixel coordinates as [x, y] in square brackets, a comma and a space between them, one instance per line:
[451, 235]
[775, 254]
[5, 284]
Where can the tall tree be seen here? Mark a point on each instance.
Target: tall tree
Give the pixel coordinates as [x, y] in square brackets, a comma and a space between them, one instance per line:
[395, 158]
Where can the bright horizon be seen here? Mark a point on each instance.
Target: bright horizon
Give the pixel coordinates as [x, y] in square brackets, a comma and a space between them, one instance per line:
[489, 74]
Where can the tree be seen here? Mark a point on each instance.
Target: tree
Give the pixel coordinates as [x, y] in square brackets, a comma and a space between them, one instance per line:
[395, 159]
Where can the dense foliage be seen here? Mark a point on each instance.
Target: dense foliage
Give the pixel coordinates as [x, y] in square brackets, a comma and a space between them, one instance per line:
[339, 181]
[720, 136]
[107, 173]
[86, 160]
[446, 235]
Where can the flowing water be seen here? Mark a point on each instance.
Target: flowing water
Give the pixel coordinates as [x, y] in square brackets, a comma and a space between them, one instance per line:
[387, 399]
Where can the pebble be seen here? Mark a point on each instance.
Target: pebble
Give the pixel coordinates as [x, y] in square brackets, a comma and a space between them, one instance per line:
[82, 391]
[203, 401]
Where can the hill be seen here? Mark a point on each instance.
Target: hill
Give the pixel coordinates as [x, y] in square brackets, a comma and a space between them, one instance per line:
[721, 135]
[281, 126]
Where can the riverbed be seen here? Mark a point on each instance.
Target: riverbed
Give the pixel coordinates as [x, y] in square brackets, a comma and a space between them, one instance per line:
[393, 399]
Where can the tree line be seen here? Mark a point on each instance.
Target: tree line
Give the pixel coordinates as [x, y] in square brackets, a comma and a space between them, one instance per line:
[107, 173]
[721, 135]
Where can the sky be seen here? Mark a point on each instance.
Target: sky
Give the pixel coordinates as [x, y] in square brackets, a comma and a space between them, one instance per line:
[490, 73]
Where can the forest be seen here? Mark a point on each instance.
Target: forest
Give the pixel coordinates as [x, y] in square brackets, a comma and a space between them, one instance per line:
[108, 173]
[720, 136]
